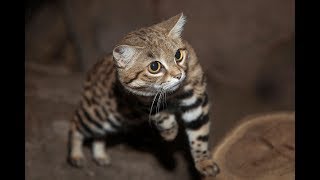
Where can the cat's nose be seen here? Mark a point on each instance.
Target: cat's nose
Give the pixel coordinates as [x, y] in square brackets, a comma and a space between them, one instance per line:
[178, 76]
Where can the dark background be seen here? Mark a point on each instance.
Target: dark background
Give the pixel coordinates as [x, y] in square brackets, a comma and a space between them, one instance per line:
[246, 49]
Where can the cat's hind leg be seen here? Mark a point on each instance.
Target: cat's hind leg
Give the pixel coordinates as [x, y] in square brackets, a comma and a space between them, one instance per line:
[76, 155]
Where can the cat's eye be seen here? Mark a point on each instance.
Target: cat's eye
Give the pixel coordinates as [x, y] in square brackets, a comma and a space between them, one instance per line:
[179, 55]
[154, 67]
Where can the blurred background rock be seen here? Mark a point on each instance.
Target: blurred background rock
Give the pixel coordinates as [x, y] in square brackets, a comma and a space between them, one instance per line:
[246, 49]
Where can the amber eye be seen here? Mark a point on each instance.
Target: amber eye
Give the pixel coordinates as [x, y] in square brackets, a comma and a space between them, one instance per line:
[178, 55]
[154, 67]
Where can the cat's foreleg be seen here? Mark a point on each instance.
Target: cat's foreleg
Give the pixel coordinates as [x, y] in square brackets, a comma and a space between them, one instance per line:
[100, 155]
[166, 124]
[197, 125]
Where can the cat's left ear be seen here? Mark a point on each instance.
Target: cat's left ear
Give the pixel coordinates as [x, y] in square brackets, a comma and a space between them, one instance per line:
[123, 54]
[174, 25]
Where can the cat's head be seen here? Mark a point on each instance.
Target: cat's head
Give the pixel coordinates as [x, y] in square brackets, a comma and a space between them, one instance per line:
[152, 59]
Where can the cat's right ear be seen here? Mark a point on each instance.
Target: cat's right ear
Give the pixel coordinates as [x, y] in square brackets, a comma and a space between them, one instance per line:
[174, 25]
[123, 54]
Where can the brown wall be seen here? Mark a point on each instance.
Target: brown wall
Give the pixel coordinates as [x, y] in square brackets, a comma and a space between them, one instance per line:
[246, 44]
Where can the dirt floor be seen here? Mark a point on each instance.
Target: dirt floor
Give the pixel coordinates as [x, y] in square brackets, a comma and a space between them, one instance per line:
[51, 94]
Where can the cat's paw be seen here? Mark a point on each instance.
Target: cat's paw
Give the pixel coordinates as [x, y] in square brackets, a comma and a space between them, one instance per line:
[77, 161]
[170, 134]
[103, 160]
[207, 167]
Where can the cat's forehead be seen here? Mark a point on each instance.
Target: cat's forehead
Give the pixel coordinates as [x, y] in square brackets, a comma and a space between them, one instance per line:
[153, 39]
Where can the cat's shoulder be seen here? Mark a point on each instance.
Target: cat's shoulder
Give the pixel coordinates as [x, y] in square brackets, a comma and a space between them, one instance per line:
[103, 66]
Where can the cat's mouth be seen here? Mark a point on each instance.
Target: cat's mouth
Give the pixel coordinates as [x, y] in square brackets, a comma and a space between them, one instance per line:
[169, 86]
[173, 86]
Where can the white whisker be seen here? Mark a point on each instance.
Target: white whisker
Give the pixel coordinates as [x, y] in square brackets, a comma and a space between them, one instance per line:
[165, 99]
[152, 106]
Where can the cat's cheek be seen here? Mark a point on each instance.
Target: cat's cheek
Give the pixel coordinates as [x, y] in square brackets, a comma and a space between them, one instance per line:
[183, 77]
[184, 66]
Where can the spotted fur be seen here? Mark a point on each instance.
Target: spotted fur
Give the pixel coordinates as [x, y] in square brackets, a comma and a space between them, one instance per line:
[120, 92]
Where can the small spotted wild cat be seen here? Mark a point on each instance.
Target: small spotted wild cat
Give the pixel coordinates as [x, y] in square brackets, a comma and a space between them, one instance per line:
[129, 86]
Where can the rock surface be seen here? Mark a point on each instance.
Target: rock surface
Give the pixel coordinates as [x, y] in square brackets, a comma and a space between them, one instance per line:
[260, 148]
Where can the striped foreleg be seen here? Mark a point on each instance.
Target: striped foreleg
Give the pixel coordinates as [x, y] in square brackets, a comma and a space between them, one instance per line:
[196, 121]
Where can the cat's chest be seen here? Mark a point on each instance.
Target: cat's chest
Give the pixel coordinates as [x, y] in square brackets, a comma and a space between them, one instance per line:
[137, 110]
[134, 110]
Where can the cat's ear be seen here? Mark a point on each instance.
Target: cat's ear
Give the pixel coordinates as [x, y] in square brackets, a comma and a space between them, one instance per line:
[123, 54]
[174, 25]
